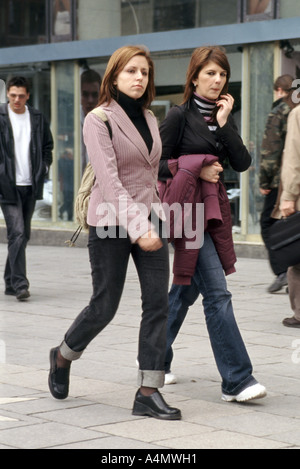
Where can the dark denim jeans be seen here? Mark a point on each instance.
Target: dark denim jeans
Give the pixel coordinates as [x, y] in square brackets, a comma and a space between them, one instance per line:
[227, 344]
[18, 223]
[109, 260]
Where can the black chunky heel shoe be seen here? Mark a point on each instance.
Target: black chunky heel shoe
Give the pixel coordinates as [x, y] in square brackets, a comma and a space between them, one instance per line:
[154, 406]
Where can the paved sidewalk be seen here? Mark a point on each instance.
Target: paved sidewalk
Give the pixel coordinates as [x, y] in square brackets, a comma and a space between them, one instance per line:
[97, 415]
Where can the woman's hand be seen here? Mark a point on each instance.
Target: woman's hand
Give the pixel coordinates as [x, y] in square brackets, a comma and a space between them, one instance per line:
[210, 173]
[149, 241]
[225, 105]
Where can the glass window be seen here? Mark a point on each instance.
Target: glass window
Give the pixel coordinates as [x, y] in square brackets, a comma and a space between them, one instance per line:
[218, 12]
[23, 22]
[65, 139]
[171, 15]
[90, 82]
[289, 8]
[98, 19]
[62, 23]
[255, 10]
[143, 16]
[261, 81]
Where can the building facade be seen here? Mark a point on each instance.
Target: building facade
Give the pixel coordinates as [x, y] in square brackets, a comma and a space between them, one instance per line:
[52, 42]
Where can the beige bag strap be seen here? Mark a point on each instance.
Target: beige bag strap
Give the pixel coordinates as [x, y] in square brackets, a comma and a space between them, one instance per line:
[100, 113]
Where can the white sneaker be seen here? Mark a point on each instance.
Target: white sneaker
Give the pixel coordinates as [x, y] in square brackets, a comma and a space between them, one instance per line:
[256, 391]
[170, 378]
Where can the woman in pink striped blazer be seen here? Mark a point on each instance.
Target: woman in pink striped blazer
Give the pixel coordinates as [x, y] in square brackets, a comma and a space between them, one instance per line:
[124, 220]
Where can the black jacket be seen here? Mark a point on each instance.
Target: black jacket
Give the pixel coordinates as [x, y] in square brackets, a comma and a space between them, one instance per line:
[41, 146]
[185, 132]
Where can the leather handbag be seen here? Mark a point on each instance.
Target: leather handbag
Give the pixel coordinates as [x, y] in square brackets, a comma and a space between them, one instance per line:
[285, 240]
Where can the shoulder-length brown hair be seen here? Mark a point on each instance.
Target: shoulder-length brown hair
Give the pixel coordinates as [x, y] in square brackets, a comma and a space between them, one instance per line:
[116, 64]
[199, 59]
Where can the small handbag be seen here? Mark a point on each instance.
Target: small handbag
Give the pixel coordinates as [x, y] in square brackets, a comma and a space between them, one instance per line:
[285, 240]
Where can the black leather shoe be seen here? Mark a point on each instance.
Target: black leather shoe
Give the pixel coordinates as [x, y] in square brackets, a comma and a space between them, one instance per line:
[58, 377]
[291, 322]
[23, 294]
[279, 283]
[154, 406]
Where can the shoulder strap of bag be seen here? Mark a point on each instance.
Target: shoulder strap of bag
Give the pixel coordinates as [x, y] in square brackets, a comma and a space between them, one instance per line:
[100, 113]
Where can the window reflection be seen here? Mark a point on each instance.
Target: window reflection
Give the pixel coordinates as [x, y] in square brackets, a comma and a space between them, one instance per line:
[62, 22]
[23, 22]
[65, 139]
[66, 183]
[141, 16]
[255, 7]
[255, 10]
[261, 67]
[90, 89]
[173, 15]
[61, 17]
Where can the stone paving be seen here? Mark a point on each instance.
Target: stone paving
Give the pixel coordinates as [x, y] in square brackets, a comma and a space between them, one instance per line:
[97, 414]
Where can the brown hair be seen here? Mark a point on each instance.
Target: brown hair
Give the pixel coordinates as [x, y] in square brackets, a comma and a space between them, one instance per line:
[285, 82]
[199, 59]
[116, 64]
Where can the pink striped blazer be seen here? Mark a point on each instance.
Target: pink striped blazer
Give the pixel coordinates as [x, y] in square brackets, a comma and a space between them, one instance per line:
[126, 174]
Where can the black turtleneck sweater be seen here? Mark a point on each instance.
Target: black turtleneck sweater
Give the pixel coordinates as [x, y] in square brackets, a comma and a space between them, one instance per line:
[134, 110]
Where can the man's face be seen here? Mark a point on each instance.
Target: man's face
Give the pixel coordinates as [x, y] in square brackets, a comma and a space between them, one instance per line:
[17, 98]
[89, 96]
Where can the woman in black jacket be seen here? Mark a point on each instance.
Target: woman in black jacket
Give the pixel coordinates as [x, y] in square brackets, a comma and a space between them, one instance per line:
[203, 125]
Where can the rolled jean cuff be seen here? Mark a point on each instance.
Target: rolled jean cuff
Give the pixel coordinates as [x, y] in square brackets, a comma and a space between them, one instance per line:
[68, 353]
[151, 378]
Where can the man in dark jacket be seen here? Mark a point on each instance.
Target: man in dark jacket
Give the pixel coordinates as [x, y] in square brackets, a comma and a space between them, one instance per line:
[26, 146]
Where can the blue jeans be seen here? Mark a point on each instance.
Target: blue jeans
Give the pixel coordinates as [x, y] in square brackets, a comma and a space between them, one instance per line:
[18, 223]
[109, 260]
[227, 344]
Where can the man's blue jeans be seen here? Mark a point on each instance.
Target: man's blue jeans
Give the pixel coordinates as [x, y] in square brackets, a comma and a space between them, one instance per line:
[228, 347]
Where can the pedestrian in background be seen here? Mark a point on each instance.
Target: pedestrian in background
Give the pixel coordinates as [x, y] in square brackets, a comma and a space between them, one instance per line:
[270, 166]
[126, 170]
[290, 203]
[25, 157]
[197, 137]
[90, 82]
